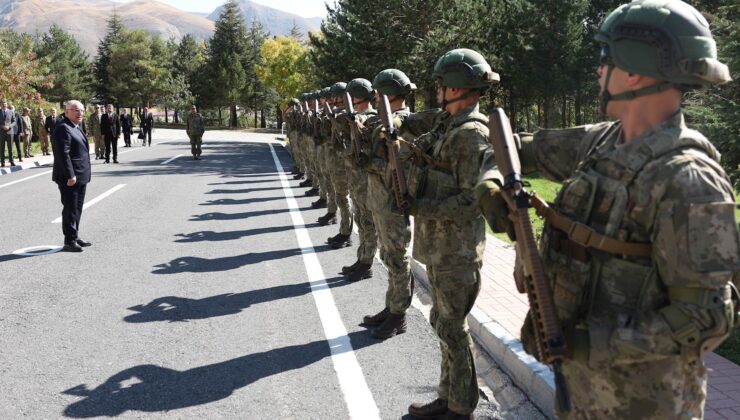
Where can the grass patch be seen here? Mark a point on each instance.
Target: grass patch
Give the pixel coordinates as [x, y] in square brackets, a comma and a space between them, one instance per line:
[546, 190]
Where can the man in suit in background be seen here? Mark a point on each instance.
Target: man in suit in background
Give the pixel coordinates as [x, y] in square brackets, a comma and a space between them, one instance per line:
[71, 172]
[7, 118]
[127, 125]
[110, 126]
[50, 124]
[147, 122]
[15, 132]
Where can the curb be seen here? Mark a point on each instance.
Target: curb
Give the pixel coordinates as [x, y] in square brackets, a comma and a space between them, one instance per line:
[24, 165]
[531, 376]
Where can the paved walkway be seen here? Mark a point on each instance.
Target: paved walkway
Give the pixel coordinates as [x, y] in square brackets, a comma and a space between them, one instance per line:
[501, 302]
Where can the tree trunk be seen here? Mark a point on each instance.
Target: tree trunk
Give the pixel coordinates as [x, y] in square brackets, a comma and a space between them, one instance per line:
[564, 112]
[233, 121]
[255, 118]
[174, 116]
[279, 117]
[577, 107]
[219, 117]
[166, 116]
[263, 122]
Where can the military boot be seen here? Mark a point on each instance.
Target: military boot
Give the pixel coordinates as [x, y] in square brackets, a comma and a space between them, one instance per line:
[298, 176]
[314, 191]
[306, 183]
[328, 219]
[393, 325]
[340, 241]
[377, 319]
[361, 272]
[451, 415]
[350, 268]
[295, 170]
[436, 409]
[319, 204]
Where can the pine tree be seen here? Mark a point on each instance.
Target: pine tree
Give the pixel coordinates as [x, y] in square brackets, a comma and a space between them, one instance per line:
[68, 65]
[102, 61]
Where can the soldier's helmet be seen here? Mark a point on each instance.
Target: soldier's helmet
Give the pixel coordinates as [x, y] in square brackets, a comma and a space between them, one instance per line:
[338, 89]
[464, 68]
[360, 88]
[316, 95]
[325, 92]
[667, 40]
[294, 102]
[304, 97]
[393, 82]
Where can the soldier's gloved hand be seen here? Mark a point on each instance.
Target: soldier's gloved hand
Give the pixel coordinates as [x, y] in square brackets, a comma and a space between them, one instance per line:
[577, 343]
[494, 208]
[417, 205]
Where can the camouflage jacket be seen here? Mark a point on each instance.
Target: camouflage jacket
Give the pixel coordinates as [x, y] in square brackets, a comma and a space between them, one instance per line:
[195, 125]
[365, 122]
[94, 124]
[380, 192]
[665, 187]
[448, 228]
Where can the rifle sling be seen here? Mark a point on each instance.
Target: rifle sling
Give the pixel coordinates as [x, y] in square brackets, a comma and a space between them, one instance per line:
[443, 166]
[582, 235]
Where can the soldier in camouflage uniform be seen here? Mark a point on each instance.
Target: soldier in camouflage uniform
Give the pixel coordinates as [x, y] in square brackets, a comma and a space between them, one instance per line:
[195, 127]
[642, 245]
[290, 132]
[393, 233]
[325, 160]
[93, 127]
[301, 129]
[39, 126]
[356, 158]
[311, 147]
[338, 171]
[449, 231]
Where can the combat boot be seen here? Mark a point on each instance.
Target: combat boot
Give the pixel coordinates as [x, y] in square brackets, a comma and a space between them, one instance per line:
[350, 268]
[393, 325]
[306, 183]
[295, 170]
[314, 191]
[328, 219]
[361, 272]
[451, 415]
[436, 409]
[298, 176]
[377, 319]
[340, 241]
[319, 204]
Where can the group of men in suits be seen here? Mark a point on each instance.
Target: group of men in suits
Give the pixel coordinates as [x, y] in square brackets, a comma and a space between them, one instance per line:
[11, 130]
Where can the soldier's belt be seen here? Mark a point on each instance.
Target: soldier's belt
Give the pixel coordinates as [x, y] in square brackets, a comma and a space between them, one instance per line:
[586, 237]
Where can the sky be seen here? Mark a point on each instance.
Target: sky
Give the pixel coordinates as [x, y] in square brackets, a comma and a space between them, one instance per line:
[305, 8]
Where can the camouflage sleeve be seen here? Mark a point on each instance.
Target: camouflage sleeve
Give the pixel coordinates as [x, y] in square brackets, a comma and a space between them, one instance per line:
[470, 147]
[554, 154]
[379, 159]
[696, 246]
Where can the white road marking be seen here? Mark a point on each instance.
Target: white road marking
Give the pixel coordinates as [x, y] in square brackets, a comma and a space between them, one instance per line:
[170, 160]
[95, 200]
[35, 251]
[25, 179]
[357, 395]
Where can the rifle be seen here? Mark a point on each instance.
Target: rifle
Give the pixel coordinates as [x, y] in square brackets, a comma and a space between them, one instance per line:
[304, 117]
[353, 129]
[316, 121]
[333, 119]
[529, 267]
[397, 176]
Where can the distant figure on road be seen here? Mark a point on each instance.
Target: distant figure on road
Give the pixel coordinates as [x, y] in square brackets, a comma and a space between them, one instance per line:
[195, 129]
[50, 124]
[110, 126]
[15, 131]
[43, 135]
[147, 122]
[71, 172]
[127, 125]
[26, 131]
[7, 117]
[94, 126]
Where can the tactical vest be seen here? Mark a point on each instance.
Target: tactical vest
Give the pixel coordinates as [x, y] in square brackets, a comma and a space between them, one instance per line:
[436, 181]
[599, 285]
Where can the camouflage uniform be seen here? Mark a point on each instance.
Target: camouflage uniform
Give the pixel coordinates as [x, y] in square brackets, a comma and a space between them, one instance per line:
[323, 163]
[39, 125]
[94, 128]
[339, 179]
[195, 129]
[449, 237]
[666, 188]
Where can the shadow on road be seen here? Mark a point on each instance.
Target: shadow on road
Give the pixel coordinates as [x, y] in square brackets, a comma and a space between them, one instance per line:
[242, 191]
[180, 309]
[205, 265]
[211, 236]
[152, 388]
[236, 216]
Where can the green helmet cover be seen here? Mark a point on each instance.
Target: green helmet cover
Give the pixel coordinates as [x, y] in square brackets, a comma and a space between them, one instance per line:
[338, 89]
[464, 68]
[294, 102]
[360, 88]
[393, 82]
[668, 40]
[325, 92]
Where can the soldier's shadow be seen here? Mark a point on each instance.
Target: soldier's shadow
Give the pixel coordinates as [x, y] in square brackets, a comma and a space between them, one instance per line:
[174, 308]
[211, 236]
[152, 388]
[205, 265]
[237, 216]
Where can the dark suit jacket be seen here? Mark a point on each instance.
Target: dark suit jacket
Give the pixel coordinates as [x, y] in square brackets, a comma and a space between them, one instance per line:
[126, 123]
[147, 121]
[110, 127]
[71, 154]
[50, 124]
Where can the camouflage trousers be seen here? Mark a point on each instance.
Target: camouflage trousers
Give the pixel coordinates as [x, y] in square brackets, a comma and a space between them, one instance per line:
[99, 145]
[324, 161]
[294, 147]
[311, 159]
[363, 216]
[663, 388]
[454, 290]
[195, 145]
[340, 182]
[394, 238]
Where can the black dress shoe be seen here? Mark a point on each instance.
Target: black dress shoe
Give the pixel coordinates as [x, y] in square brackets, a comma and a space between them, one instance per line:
[115, 161]
[12, 163]
[82, 243]
[107, 161]
[72, 248]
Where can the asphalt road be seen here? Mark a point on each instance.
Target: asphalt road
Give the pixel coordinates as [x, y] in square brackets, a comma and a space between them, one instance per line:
[208, 292]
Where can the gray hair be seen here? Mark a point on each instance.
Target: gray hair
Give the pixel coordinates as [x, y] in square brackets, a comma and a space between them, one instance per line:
[73, 102]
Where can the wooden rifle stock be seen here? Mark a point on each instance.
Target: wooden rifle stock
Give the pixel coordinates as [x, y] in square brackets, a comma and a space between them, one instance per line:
[398, 179]
[543, 313]
[354, 134]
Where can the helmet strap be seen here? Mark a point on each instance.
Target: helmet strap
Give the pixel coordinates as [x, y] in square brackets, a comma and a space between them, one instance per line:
[465, 95]
[630, 94]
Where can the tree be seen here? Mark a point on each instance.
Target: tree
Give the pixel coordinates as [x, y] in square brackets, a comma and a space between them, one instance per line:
[67, 64]
[285, 67]
[21, 70]
[102, 61]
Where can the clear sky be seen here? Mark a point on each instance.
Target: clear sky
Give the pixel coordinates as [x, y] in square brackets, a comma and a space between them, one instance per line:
[305, 8]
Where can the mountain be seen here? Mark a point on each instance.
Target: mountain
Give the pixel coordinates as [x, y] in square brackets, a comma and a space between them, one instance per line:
[86, 19]
[274, 21]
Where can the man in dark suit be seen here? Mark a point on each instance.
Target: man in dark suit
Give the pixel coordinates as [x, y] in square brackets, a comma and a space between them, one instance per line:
[15, 131]
[71, 172]
[110, 126]
[50, 124]
[7, 118]
[127, 125]
[147, 122]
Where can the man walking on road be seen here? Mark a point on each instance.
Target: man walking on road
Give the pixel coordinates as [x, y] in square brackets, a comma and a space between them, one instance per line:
[110, 126]
[147, 122]
[71, 172]
[195, 129]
